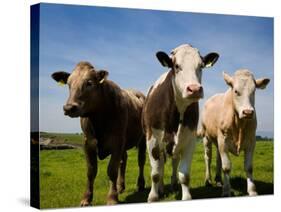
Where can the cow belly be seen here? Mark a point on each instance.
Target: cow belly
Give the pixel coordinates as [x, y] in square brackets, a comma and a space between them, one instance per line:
[133, 140]
[234, 147]
[104, 148]
[103, 152]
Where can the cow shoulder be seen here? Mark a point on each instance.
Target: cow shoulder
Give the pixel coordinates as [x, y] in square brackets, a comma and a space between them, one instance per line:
[160, 110]
[227, 112]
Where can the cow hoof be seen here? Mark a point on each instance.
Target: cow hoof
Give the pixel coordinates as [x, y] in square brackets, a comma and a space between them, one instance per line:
[226, 194]
[219, 184]
[112, 200]
[161, 191]
[120, 188]
[174, 186]
[152, 198]
[208, 183]
[141, 188]
[187, 197]
[253, 193]
[141, 184]
[85, 203]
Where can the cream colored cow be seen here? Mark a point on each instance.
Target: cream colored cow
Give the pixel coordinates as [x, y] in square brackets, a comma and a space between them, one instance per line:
[229, 121]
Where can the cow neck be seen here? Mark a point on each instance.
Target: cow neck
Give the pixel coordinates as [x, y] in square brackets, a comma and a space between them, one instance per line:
[110, 99]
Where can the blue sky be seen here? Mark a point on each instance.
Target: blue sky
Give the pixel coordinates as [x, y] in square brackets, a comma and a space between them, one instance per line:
[124, 42]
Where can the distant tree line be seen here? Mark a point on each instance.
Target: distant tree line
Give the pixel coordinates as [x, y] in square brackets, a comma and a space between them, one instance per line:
[265, 138]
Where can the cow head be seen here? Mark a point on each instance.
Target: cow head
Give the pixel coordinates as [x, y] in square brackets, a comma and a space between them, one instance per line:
[187, 64]
[85, 85]
[243, 86]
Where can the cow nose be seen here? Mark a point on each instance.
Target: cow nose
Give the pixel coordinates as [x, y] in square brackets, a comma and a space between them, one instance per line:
[248, 112]
[69, 109]
[195, 89]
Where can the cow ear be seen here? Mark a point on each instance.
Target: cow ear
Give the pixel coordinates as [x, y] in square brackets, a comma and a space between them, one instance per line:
[210, 59]
[61, 77]
[228, 79]
[101, 76]
[164, 59]
[262, 83]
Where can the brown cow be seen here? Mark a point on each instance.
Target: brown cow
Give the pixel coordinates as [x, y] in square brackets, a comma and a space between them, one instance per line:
[229, 121]
[111, 122]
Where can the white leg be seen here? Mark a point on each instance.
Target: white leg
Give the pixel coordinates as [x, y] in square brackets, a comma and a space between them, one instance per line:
[157, 165]
[226, 165]
[208, 160]
[248, 165]
[188, 140]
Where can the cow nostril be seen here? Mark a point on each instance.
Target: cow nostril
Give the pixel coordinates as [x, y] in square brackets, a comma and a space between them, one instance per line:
[70, 108]
[193, 88]
[73, 109]
[189, 89]
[248, 112]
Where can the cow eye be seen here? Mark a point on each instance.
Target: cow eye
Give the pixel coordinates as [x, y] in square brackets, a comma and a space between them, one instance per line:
[237, 92]
[177, 68]
[89, 83]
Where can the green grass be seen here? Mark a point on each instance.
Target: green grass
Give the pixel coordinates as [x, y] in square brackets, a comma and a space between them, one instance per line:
[63, 176]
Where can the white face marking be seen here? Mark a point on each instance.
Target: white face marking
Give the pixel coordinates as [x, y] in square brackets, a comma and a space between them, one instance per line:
[243, 92]
[187, 65]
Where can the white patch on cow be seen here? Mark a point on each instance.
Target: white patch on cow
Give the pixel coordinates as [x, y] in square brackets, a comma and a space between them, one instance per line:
[248, 166]
[159, 81]
[251, 188]
[184, 147]
[181, 103]
[187, 65]
[157, 166]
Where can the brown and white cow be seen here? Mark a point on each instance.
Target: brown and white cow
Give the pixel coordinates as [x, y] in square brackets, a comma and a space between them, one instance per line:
[111, 122]
[229, 121]
[171, 111]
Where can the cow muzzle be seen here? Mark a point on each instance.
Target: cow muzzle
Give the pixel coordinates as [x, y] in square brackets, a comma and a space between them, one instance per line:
[71, 110]
[248, 113]
[195, 91]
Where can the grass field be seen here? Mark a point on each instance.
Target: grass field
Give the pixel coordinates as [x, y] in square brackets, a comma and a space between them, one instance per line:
[63, 176]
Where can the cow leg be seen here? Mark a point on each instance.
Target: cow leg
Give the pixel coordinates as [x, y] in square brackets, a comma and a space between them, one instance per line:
[121, 173]
[218, 170]
[157, 165]
[226, 165]
[91, 158]
[141, 163]
[185, 166]
[248, 165]
[161, 181]
[208, 160]
[174, 177]
[112, 172]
